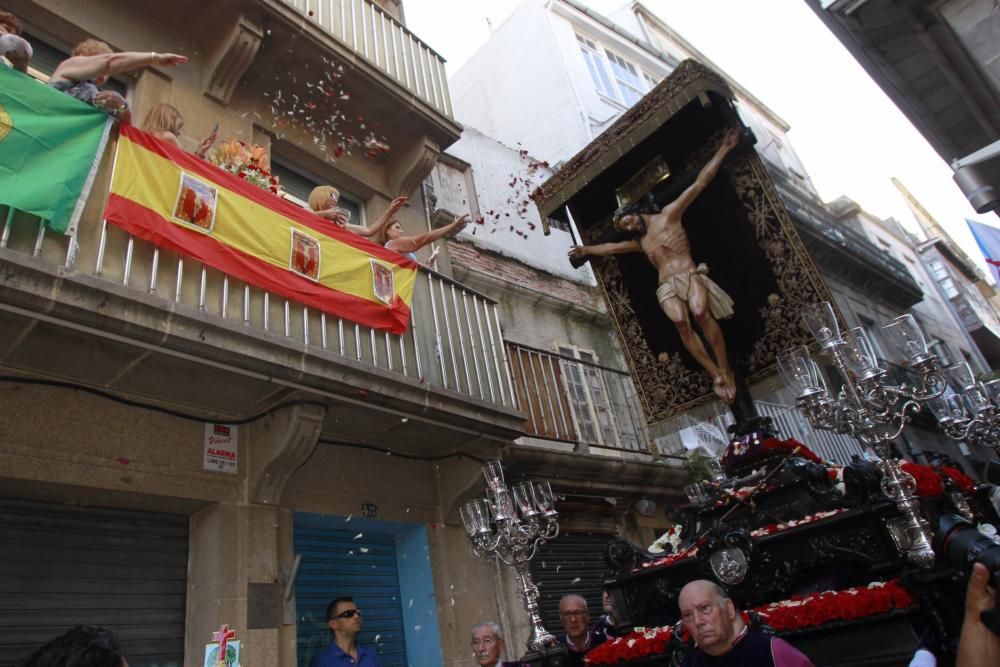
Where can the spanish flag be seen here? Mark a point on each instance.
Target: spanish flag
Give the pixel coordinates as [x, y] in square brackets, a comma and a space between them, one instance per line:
[180, 202]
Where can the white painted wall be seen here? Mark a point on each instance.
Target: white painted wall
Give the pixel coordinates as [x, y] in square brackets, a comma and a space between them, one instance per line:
[522, 100]
[545, 84]
[494, 167]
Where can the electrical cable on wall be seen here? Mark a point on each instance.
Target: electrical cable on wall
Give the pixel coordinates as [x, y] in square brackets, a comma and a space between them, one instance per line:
[16, 379]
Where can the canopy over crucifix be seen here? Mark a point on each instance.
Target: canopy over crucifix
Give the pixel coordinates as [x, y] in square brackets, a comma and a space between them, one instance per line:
[677, 145]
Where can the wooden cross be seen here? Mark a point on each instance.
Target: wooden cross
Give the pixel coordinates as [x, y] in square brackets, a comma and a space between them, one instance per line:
[223, 636]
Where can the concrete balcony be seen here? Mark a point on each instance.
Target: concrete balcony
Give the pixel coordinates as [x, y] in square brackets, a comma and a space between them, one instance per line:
[108, 312]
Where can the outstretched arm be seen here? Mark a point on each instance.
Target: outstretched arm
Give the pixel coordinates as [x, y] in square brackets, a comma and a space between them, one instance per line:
[605, 249]
[81, 68]
[707, 172]
[382, 220]
[414, 243]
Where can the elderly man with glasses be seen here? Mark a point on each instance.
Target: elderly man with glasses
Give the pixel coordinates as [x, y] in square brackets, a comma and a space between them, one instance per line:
[580, 637]
[488, 646]
[344, 620]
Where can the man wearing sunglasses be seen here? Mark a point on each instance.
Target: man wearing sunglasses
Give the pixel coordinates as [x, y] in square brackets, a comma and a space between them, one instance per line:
[344, 620]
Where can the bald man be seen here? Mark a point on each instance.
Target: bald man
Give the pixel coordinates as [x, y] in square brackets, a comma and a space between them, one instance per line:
[580, 637]
[721, 637]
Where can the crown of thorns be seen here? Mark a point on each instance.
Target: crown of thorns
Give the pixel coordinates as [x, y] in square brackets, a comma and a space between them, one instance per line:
[625, 209]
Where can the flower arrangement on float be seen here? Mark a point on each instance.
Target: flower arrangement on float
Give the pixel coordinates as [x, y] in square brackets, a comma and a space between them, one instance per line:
[641, 643]
[247, 161]
[668, 542]
[798, 613]
[746, 451]
[930, 480]
[805, 611]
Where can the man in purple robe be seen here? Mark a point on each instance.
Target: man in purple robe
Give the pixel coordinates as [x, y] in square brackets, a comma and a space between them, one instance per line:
[722, 638]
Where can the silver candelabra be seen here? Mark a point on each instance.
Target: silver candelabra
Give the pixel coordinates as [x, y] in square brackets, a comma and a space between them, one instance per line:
[867, 407]
[970, 415]
[509, 524]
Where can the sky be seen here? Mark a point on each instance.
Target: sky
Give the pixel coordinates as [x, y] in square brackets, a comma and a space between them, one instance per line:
[851, 138]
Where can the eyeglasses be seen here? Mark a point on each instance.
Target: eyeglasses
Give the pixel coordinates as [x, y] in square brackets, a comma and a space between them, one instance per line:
[350, 613]
[577, 613]
[487, 641]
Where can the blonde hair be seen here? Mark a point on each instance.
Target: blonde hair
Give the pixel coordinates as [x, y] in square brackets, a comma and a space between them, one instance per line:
[319, 198]
[163, 118]
[91, 47]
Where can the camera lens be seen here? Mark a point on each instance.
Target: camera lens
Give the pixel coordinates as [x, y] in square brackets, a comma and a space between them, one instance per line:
[961, 544]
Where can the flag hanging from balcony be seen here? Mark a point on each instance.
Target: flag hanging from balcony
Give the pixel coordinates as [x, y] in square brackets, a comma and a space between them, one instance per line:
[180, 202]
[51, 146]
[988, 239]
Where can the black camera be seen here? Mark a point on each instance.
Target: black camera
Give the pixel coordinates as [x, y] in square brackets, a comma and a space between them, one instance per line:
[961, 544]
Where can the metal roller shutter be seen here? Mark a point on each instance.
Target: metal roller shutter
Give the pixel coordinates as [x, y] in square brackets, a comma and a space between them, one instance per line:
[63, 565]
[572, 563]
[335, 564]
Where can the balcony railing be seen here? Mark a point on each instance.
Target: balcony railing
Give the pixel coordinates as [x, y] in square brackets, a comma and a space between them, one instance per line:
[384, 42]
[577, 401]
[454, 341]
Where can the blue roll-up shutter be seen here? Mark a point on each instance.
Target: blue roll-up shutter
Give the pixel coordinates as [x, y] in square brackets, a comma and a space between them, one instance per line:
[335, 563]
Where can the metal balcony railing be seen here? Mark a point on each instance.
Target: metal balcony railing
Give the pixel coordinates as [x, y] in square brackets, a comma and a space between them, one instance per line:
[790, 423]
[574, 400]
[454, 341]
[384, 42]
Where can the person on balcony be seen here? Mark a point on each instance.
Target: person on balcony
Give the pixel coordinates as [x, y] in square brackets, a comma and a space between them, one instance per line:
[392, 236]
[90, 64]
[323, 201]
[165, 123]
[722, 638]
[15, 51]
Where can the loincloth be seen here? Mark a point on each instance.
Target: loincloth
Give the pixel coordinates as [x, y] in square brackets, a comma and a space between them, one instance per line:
[720, 304]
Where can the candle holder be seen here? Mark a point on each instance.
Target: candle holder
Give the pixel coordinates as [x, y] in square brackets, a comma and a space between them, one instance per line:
[867, 406]
[509, 524]
[971, 416]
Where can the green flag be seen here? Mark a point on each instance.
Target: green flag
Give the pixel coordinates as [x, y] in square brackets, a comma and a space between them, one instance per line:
[50, 147]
